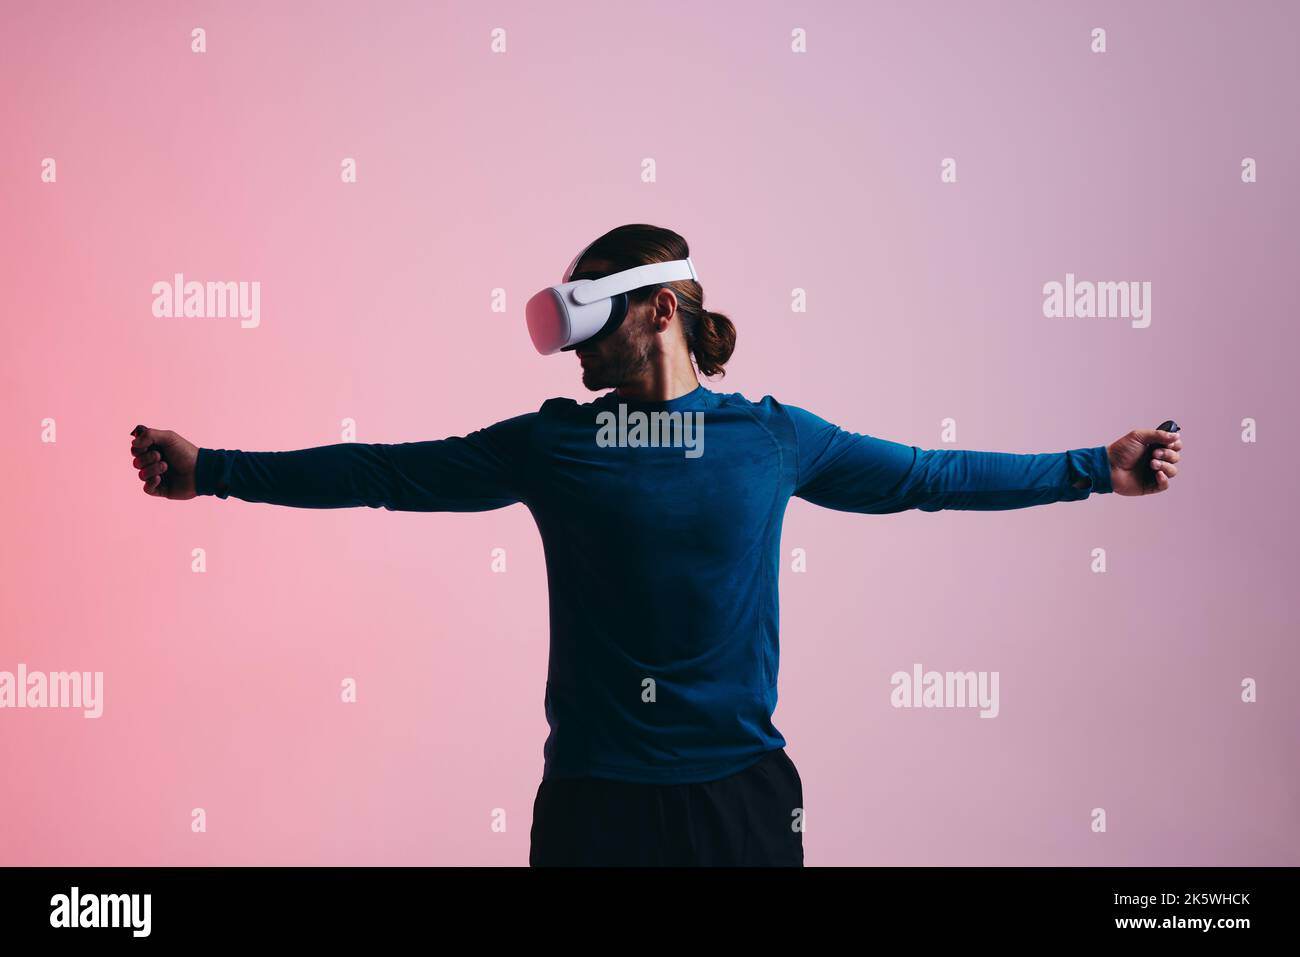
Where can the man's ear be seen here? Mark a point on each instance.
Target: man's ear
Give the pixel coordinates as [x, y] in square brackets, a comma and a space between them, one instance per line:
[663, 307]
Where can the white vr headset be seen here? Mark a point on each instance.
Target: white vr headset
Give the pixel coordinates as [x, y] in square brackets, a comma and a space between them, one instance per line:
[563, 317]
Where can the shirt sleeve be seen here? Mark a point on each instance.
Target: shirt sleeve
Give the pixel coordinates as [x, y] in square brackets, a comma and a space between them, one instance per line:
[861, 473]
[473, 473]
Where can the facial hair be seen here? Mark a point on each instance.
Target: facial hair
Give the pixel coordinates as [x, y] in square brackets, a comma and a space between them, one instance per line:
[621, 358]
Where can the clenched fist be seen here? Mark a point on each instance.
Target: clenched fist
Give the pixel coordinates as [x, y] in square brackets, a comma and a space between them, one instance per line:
[166, 462]
[1144, 461]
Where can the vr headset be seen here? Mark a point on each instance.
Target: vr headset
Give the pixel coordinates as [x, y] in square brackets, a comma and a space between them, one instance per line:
[586, 309]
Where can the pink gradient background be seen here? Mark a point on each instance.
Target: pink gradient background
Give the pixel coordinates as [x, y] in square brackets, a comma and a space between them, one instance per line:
[479, 171]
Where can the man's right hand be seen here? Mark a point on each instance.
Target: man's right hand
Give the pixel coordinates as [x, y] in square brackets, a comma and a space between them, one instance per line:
[165, 461]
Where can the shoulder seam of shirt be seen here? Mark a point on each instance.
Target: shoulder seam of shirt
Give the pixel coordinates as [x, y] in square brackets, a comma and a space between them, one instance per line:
[748, 406]
[794, 429]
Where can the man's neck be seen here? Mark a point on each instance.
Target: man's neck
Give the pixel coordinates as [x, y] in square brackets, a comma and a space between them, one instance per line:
[661, 382]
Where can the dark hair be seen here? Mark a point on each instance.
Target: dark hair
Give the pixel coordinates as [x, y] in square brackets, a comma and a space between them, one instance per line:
[710, 336]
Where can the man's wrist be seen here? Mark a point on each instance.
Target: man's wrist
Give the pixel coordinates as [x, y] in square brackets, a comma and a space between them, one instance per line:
[1089, 470]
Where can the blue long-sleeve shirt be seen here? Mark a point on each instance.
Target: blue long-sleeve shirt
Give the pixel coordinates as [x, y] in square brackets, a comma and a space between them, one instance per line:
[662, 561]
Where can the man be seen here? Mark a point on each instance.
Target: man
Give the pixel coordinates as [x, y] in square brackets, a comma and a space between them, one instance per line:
[660, 507]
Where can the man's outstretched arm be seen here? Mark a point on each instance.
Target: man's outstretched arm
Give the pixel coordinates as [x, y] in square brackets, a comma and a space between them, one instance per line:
[476, 472]
[861, 473]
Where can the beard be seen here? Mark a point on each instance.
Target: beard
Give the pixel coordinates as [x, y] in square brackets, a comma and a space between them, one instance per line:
[617, 360]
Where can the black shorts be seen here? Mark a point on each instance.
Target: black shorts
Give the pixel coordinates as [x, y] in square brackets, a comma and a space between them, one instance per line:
[751, 818]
